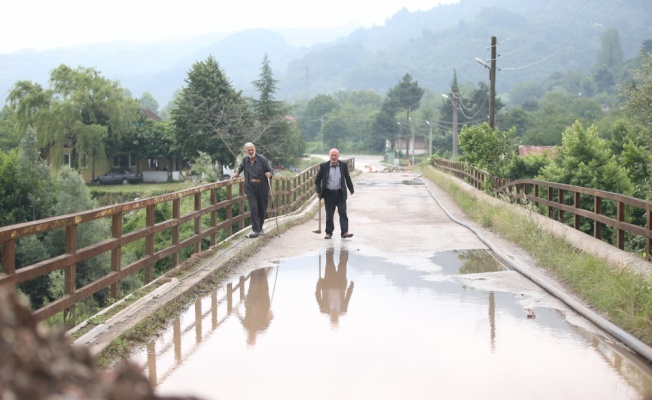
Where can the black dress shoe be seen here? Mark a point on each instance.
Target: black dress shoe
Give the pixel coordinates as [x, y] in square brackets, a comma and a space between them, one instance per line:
[328, 236]
[346, 235]
[253, 235]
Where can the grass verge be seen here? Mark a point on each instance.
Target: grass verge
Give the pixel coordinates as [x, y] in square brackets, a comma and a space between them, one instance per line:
[622, 296]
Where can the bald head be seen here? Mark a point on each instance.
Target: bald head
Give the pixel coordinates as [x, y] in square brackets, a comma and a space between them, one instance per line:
[334, 156]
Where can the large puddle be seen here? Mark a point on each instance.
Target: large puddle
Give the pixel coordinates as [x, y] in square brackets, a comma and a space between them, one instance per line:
[342, 326]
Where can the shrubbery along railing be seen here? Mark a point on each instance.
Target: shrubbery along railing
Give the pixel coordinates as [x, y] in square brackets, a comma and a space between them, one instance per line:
[622, 221]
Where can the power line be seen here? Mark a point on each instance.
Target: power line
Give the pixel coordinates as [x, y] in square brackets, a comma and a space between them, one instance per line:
[526, 26]
[550, 29]
[567, 45]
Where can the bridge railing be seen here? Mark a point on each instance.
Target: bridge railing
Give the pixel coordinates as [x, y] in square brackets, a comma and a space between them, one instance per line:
[630, 218]
[288, 195]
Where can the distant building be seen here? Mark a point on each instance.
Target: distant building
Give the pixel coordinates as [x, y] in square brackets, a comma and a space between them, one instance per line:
[407, 146]
[527, 150]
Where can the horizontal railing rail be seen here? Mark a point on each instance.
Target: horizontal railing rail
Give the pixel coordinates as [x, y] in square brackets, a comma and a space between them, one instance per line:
[569, 204]
[288, 194]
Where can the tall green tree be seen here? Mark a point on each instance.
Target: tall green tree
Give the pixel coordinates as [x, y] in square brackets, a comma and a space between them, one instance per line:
[9, 133]
[610, 53]
[154, 141]
[72, 196]
[638, 97]
[407, 94]
[489, 149]
[584, 159]
[312, 118]
[35, 176]
[210, 115]
[148, 102]
[335, 131]
[13, 192]
[273, 132]
[383, 124]
[609, 62]
[81, 109]
[559, 110]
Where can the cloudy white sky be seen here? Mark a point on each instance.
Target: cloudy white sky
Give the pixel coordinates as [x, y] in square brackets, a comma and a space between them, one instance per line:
[44, 24]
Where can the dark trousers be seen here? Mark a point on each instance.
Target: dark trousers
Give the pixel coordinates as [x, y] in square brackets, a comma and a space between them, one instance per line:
[333, 200]
[257, 196]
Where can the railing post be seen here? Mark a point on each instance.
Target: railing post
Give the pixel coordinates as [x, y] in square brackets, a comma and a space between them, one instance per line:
[560, 200]
[648, 240]
[8, 259]
[176, 214]
[229, 210]
[576, 204]
[149, 243]
[197, 222]
[242, 205]
[213, 215]
[620, 234]
[116, 254]
[70, 275]
[597, 209]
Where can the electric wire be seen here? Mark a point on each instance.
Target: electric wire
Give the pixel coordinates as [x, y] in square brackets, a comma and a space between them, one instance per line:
[567, 45]
[517, 34]
[550, 29]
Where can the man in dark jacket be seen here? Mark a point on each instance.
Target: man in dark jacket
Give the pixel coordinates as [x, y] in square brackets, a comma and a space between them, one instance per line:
[257, 172]
[331, 183]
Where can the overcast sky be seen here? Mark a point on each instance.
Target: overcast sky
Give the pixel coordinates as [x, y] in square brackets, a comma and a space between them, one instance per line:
[44, 24]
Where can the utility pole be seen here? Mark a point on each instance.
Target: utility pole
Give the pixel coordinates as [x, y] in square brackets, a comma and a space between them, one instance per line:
[398, 145]
[492, 84]
[455, 138]
[412, 123]
[430, 138]
[321, 134]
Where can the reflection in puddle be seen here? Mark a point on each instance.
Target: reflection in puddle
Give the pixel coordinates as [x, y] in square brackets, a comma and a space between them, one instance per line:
[258, 313]
[413, 182]
[474, 261]
[276, 333]
[332, 293]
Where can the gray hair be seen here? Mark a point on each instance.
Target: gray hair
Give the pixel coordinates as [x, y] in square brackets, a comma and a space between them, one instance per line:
[249, 144]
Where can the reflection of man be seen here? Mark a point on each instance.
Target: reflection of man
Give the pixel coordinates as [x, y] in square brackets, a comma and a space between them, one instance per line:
[258, 313]
[331, 293]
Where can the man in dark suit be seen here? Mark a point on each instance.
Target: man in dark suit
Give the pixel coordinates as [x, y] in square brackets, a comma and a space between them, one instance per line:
[331, 183]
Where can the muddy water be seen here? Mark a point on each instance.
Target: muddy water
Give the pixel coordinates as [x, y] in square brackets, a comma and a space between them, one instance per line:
[342, 325]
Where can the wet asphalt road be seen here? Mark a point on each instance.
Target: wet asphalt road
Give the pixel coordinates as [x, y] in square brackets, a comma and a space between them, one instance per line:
[413, 306]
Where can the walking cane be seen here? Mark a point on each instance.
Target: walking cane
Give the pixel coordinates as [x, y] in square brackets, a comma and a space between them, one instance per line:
[273, 206]
[319, 226]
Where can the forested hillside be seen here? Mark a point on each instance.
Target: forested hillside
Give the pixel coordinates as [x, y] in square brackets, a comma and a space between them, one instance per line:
[536, 38]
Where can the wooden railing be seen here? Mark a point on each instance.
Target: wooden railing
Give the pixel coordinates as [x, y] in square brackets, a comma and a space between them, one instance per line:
[569, 204]
[288, 195]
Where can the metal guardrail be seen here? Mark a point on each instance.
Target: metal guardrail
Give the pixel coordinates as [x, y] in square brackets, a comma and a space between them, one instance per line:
[567, 203]
[288, 194]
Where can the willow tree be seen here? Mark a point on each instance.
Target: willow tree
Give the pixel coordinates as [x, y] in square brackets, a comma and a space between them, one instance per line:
[81, 109]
